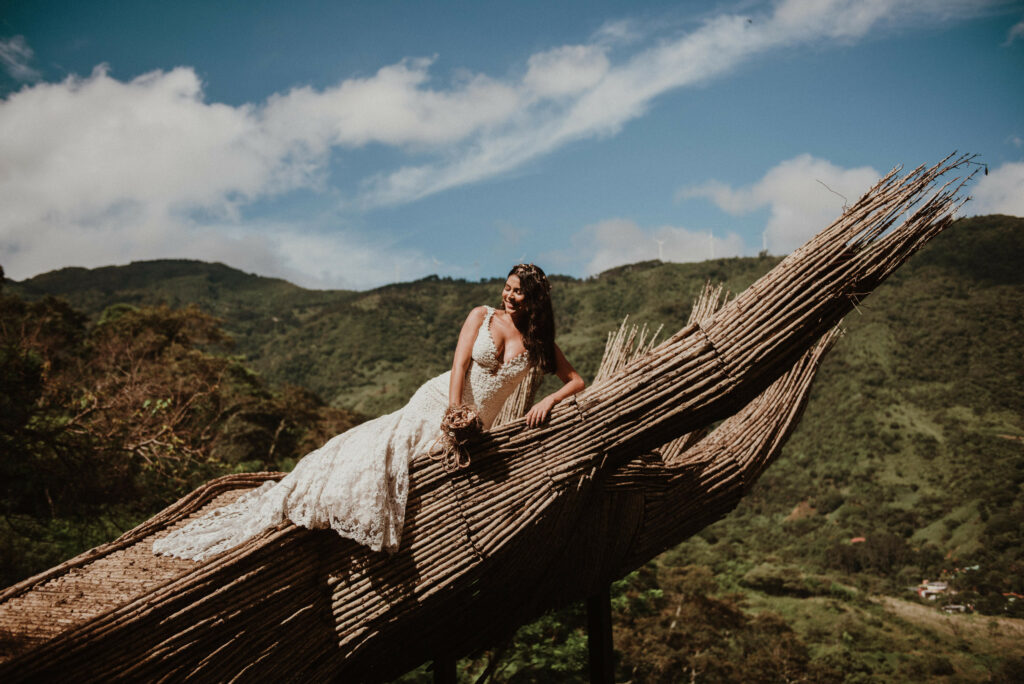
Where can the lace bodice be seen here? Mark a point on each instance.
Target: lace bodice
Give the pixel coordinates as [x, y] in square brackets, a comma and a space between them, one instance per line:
[489, 381]
[358, 482]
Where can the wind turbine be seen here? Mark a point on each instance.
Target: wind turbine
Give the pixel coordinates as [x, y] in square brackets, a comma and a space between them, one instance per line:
[661, 252]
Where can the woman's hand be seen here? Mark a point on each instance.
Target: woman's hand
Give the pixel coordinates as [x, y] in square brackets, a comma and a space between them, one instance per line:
[540, 411]
[573, 384]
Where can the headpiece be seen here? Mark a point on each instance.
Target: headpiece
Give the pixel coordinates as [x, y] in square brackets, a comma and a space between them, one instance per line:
[535, 271]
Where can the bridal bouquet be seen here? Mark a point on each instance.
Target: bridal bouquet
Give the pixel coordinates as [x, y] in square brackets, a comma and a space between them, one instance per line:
[459, 425]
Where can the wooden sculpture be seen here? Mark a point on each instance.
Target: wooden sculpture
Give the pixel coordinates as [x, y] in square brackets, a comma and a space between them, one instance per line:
[541, 517]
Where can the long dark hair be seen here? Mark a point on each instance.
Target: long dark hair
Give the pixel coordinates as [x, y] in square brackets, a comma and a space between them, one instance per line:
[537, 325]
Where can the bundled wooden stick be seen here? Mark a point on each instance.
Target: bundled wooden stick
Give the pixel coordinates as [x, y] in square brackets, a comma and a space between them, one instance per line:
[526, 527]
[520, 401]
[627, 343]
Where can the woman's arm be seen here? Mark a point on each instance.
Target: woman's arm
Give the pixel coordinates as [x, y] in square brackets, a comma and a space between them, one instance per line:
[573, 383]
[464, 353]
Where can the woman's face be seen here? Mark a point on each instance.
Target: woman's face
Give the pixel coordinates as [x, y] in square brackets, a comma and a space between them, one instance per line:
[512, 296]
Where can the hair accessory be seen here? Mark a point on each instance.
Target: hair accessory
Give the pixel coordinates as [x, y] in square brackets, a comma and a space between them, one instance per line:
[534, 271]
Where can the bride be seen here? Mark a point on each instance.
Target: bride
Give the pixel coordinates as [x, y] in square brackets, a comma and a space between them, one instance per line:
[358, 482]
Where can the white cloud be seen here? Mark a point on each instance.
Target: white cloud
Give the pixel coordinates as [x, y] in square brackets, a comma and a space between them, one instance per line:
[1016, 31]
[84, 154]
[1001, 191]
[393, 107]
[77, 149]
[795, 192]
[618, 241]
[567, 70]
[97, 171]
[618, 32]
[626, 90]
[15, 55]
[339, 259]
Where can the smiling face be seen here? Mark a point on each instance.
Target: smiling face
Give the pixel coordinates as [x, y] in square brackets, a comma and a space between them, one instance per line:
[512, 296]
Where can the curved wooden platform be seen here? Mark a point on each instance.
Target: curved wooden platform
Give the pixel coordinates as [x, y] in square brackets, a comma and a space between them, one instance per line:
[541, 517]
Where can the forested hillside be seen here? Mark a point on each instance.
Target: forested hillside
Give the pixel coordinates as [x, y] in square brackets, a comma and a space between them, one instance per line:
[908, 463]
[368, 351]
[103, 423]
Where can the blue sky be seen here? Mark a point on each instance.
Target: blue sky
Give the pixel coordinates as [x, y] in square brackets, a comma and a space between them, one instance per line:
[354, 144]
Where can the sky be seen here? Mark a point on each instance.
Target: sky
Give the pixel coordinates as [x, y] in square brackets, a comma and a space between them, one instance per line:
[354, 144]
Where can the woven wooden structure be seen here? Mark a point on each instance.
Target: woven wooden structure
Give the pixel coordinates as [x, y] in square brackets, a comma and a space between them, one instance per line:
[541, 516]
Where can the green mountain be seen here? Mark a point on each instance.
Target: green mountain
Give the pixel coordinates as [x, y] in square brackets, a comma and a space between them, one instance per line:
[368, 351]
[913, 441]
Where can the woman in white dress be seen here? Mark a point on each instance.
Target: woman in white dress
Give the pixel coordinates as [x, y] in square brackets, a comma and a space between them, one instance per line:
[358, 482]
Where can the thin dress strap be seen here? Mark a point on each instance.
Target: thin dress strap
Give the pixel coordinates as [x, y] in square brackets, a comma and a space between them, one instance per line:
[485, 326]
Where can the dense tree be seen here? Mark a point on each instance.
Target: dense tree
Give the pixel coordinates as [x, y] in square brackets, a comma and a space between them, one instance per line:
[123, 415]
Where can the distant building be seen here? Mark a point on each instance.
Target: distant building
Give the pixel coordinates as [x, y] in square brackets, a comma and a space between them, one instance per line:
[929, 590]
[957, 608]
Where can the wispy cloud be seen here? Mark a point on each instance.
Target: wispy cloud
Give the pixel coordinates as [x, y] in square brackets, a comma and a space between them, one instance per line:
[15, 56]
[338, 258]
[1016, 31]
[618, 32]
[1001, 191]
[618, 241]
[803, 195]
[626, 90]
[93, 151]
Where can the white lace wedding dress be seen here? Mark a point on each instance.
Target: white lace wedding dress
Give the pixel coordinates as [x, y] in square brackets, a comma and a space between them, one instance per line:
[358, 482]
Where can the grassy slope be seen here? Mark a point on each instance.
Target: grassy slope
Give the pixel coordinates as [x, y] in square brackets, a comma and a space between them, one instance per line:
[913, 430]
[912, 423]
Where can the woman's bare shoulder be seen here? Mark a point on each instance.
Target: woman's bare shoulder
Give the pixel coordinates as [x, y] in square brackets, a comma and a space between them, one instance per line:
[476, 315]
